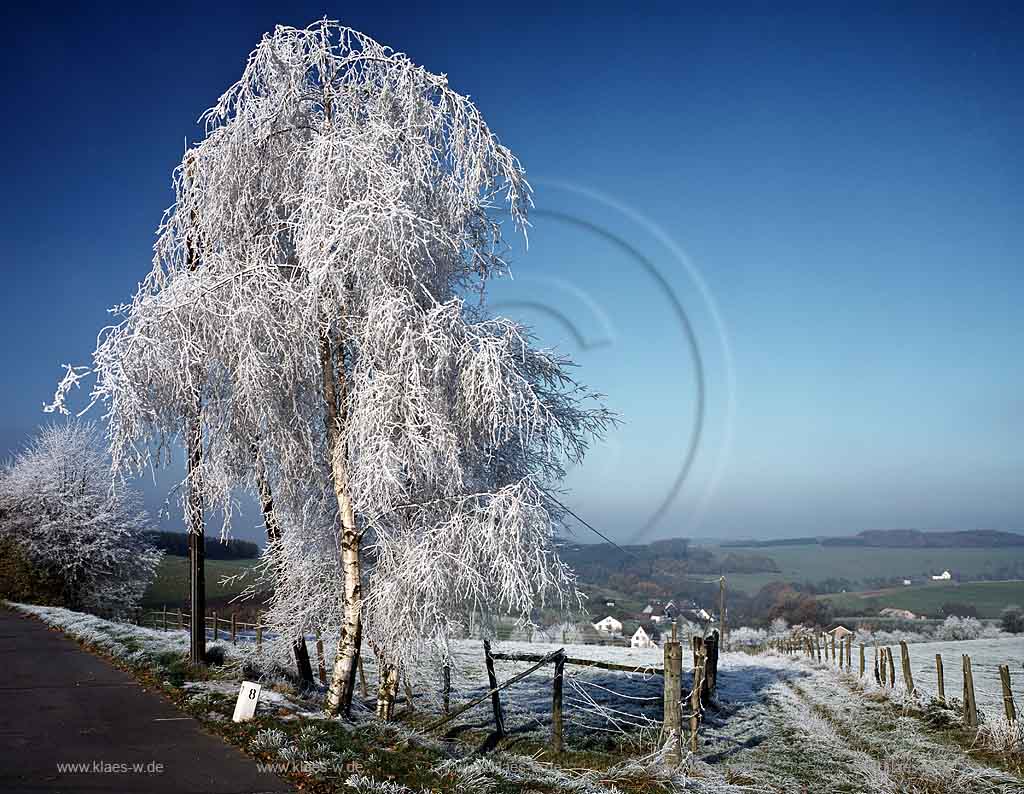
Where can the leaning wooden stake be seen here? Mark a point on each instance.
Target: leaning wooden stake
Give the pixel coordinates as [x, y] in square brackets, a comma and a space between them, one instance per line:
[892, 669]
[446, 688]
[849, 653]
[514, 679]
[215, 627]
[234, 629]
[908, 675]
[861, 661]
[970, 705]
[492, 680]
[940, 677]
[1008, 705]
[556, 704]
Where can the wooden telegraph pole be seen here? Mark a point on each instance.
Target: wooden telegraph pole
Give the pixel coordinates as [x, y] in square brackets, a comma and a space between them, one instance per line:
[721, 612]
[196, 544]
[194, 521]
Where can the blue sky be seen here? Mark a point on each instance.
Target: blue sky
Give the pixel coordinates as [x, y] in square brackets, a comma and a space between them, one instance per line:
[831, 193]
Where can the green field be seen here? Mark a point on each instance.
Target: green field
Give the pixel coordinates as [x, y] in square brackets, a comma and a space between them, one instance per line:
[989, 598]
[171, 584]
[815, 563]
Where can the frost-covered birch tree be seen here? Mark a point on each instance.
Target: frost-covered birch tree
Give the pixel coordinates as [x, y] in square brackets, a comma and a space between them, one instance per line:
[326, 258]
[58, 506]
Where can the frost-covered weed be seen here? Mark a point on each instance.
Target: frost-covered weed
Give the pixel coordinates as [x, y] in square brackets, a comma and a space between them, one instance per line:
[269, 740]
[1001, 736]
[367, 785]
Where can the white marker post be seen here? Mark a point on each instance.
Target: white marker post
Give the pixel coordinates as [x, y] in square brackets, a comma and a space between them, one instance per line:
[248, 697]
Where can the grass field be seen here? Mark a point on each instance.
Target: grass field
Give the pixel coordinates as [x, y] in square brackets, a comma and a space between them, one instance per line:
[171, 584]
[815, 563]
[989, 598]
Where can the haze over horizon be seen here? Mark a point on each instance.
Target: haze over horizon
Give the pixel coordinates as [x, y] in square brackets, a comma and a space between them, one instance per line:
[786, 244]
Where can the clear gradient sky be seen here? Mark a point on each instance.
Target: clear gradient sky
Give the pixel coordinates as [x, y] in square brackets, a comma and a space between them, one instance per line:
[830, 196]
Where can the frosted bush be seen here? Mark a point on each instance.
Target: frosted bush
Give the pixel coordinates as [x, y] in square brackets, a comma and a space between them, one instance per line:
[954, 628]
[59, 507]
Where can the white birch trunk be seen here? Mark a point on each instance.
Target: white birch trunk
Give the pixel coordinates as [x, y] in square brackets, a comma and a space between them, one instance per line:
[346, 660]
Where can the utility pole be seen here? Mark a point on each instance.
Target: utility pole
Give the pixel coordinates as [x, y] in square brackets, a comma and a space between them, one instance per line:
[196, 543]
[194, 520]
[721, 612]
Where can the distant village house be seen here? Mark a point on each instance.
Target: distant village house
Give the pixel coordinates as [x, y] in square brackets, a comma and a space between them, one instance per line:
[945, 576]
[609, 625]
[644, 637]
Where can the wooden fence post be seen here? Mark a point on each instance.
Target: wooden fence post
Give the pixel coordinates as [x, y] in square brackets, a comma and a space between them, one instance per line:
[710, 668]
[1008, 705]
[861, 661]
[673, 683]
[165, 617]
[908, 675]
[408, 692]
[556, 704]
[234, 629]
[362, 677]
[970, 705]
[849, 653]
[259, 634]
[892, 668]
[941, 678]
[492, 680]
[446, 687]
[320, 667]
[181, 619]
[878, 677]
[695, 695]
[833, 649]
[215, 627]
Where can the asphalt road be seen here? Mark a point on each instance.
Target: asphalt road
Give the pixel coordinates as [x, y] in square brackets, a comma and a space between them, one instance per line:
[62, 705]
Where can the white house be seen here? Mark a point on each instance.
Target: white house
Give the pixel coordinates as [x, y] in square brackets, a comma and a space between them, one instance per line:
[644, 638]
[609, 625]
[945, 576]
[907, 582]
[648, 609]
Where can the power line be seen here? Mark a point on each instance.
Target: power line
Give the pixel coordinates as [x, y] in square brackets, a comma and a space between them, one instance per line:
[588, 525]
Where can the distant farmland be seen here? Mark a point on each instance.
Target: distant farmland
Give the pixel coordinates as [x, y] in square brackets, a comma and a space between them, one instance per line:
[989, 598]
[171, 584]
[814, 563]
